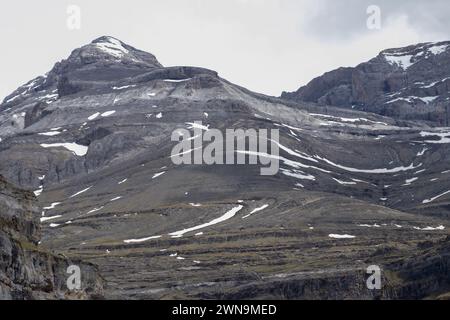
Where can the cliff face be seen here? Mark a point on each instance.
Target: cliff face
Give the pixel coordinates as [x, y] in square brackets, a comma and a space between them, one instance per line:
[27, 271]
[406, 83]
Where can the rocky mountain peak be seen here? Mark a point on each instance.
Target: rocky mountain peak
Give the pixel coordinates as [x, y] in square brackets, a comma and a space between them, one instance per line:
[105, 59]
[112, 50]
[103, 53]
[406, 83]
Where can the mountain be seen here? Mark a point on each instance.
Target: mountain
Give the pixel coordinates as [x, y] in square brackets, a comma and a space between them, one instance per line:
[92, 140]
[410, 83]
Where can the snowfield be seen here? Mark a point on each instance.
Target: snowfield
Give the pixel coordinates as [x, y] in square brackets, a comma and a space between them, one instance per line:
[228, 215]
[77, 149]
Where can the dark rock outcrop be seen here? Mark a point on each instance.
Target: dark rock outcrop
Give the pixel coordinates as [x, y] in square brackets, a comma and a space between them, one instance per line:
[28, 271]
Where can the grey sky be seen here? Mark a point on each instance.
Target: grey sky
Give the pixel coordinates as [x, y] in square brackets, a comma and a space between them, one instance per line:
[265, 45]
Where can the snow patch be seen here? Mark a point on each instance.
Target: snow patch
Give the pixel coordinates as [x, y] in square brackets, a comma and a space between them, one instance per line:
[44, 219]
[38, 192]
[411, 99]
[436, 50]
[430, 228]
[176, 81]
[108, 113]
[349, 120]
[377, 171]
[256, 210]
[341, 236]
[297, 174]
[421, 153]
[50, 133]
[344, 182]
[77, 149]
[402, 61]
[95, 210]
[444, 137]
[409, 181]
[80, 192]
[156, 175]
[435, 198]
[112, 47]
[94, 116]
[124, 87]
[141, 240]
[195, 204]
[369, 225]
[52, 206]
[228, 215]
[192, 125]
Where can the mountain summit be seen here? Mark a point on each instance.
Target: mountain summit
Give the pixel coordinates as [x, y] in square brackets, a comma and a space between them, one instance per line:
[98, 65]
[103, 60]
[109, 48]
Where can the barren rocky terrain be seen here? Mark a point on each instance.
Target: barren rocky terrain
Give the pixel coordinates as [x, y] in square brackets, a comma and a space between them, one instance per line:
[356, 187]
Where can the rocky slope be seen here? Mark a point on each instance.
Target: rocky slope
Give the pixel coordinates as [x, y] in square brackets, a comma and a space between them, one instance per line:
[92, 139]
[27, 271]
[404, 83]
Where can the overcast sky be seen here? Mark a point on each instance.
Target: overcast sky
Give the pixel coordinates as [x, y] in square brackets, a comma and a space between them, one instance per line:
[265, 45]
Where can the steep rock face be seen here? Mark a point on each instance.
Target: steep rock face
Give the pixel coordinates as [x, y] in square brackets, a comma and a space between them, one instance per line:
[28, 271]
[404, 83]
